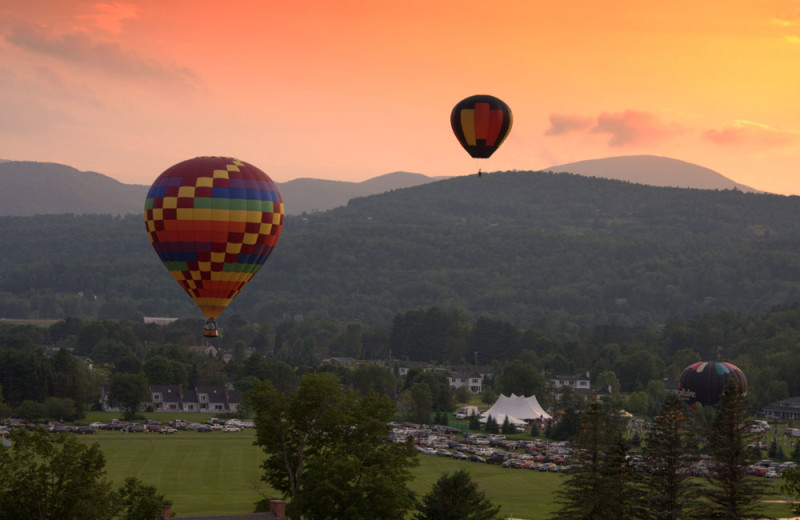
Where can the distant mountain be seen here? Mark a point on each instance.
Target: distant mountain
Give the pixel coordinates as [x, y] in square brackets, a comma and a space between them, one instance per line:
[310, 195]
[653, 171]
[39, 188]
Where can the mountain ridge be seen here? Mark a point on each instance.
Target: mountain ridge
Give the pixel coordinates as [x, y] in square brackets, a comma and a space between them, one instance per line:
[37, 188]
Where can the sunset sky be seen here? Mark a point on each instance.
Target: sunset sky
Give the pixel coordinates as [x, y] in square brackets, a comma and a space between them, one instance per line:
[353, 89]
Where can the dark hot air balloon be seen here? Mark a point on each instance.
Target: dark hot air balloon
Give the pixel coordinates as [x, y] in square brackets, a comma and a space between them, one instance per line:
[705, 381]
[481, 123]
[213, 222]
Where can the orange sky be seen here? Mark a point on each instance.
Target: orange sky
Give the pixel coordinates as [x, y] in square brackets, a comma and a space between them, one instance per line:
[353, 89]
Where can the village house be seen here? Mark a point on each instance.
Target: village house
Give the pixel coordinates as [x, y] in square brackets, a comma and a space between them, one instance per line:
[176, 398]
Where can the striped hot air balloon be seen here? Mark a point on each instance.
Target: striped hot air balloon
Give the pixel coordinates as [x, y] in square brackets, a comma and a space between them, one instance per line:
[481, 124]
[705, 381]
[213, 222]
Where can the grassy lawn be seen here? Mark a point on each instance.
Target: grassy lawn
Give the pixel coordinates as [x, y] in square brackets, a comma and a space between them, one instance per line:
[217, 473]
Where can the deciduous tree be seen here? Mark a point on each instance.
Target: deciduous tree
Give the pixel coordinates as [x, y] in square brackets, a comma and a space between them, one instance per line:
[326, 450]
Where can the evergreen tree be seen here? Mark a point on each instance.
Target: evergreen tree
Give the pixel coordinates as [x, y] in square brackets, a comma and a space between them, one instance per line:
[796, 452]
[669, 493]
[474, 422]
[733, 493]
[601, 487]
[507, 426]
[491, 425]
[456, 497]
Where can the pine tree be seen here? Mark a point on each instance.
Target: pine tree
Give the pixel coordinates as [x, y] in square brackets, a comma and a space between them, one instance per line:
[733, 493]
[491, 425]
[507, 427]
[669, 493]
[456, 497]
[601, 487]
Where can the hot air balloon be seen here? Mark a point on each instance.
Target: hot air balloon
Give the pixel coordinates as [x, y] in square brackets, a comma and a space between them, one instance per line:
[213, 221]
[481, 123]
[705, 381]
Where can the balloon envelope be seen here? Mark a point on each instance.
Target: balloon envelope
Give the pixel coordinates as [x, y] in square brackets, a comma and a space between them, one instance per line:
[705, 381]
[213, 222]
[481, 124]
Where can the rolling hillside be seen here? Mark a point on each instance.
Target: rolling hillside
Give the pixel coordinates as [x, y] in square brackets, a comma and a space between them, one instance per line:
[517, 246]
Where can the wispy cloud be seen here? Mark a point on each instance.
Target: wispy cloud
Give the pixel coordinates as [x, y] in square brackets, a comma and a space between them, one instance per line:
[109, 16]
[564, 124]
[109, 58]
[749, 133]
[633, 127]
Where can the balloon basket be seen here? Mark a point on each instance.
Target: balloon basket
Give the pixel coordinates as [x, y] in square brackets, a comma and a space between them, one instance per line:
[210, 329]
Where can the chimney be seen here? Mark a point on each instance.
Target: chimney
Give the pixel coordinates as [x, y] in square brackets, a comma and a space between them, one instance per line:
[278, 508]
[165, 512]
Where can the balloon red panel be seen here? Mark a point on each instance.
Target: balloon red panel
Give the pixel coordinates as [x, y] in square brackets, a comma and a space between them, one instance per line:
[704, 382]
[213, 221]
[481, 124]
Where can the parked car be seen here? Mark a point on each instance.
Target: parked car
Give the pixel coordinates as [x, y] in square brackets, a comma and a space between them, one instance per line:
[229, 429]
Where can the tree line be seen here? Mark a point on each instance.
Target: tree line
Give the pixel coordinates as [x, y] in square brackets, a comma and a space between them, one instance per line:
[50, 365]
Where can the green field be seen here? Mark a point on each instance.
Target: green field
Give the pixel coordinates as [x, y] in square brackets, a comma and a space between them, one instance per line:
[217, 473]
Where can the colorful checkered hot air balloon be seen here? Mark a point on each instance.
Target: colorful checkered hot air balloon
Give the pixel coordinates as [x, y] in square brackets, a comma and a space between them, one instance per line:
[481, 123]
[213, 222]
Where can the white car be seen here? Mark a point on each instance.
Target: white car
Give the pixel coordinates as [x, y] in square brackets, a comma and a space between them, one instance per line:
[228, 429]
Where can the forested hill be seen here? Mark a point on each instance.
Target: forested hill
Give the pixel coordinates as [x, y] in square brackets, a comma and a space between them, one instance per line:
[524, 247]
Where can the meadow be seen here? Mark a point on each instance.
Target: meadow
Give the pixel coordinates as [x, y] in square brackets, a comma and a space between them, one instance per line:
[218, 473]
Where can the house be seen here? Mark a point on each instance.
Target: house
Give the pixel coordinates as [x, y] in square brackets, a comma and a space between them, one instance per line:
[176, 398]
[785, 409]
[473, 381]
[203, 350]
[157, 320]
[166, 398]
[580, 382]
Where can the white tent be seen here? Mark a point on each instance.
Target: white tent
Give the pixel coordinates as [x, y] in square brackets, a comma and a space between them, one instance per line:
[517, 408]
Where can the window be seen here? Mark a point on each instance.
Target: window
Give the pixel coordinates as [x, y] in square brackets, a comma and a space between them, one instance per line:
[156, 397]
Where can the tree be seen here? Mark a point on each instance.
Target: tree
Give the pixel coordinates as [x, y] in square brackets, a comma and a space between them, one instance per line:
[601, 487]
[569, 405]
[456, 497]
[140, 502]
[326, 450]
[50, 477]
[417, 403]
[669, 492]
[733, 493]
[791, 487]
[521, 379]
[128, 391]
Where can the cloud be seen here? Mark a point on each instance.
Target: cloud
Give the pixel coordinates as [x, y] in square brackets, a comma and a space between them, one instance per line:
[110, 58]
[109, 16]
[749, 133]
[632, 127]
[562, 124]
